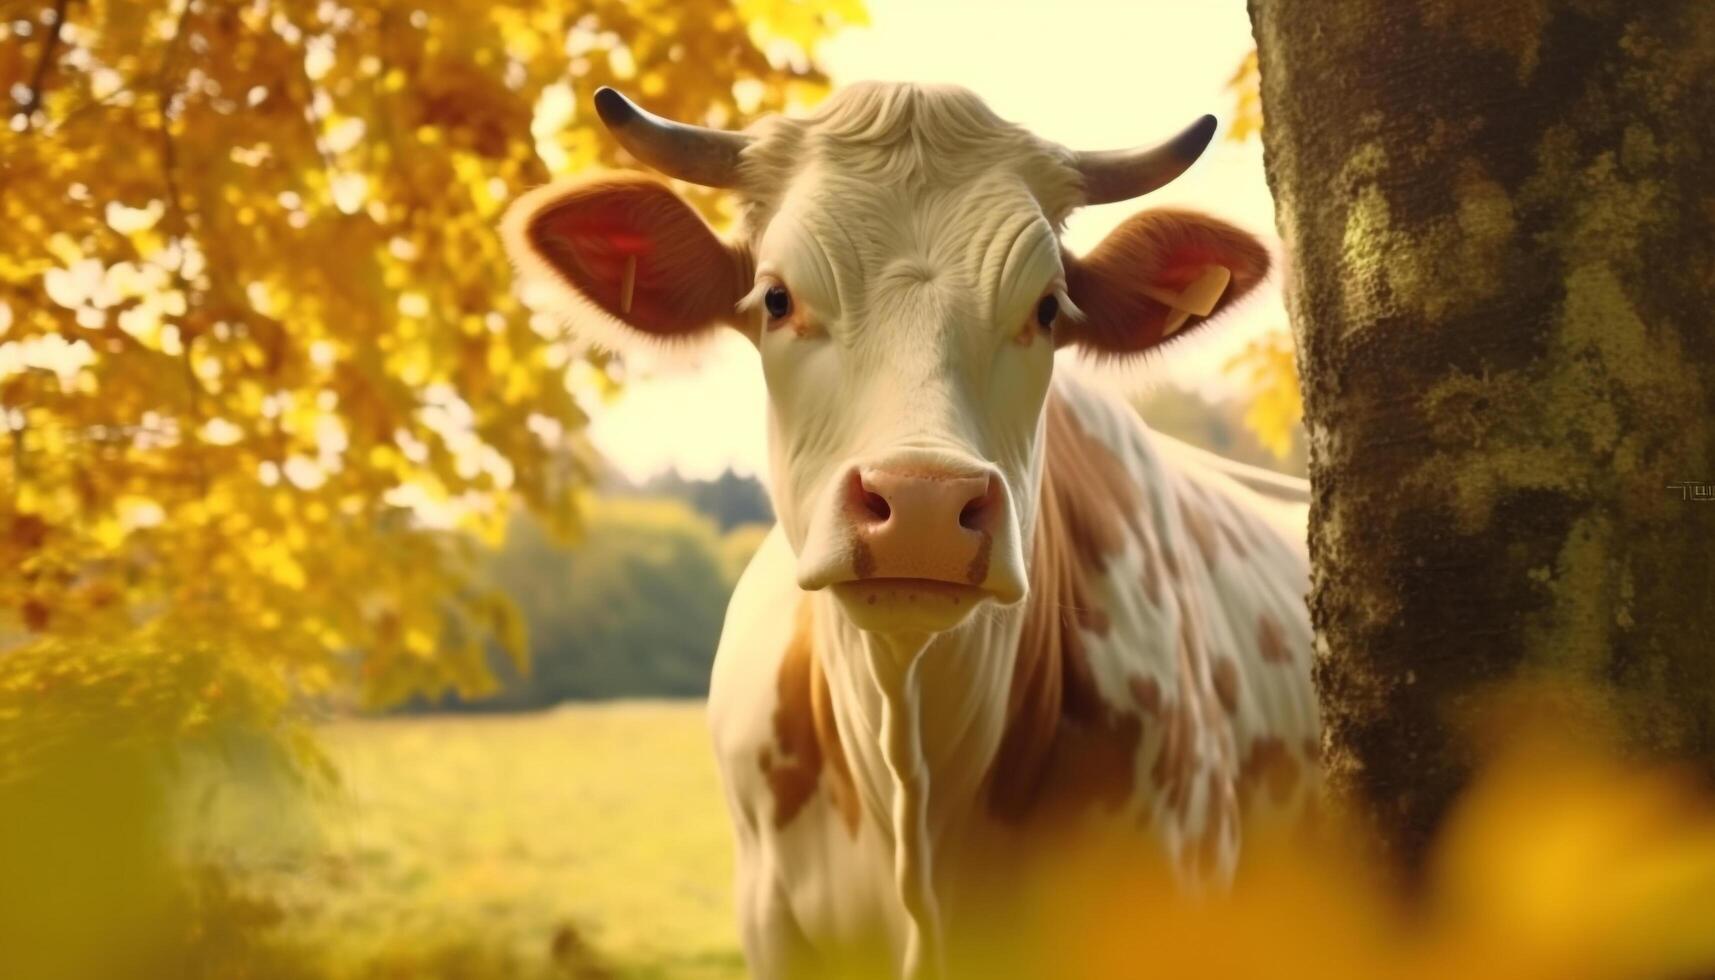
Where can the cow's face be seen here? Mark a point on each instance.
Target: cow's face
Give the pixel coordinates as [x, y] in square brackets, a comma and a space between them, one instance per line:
[901, 275]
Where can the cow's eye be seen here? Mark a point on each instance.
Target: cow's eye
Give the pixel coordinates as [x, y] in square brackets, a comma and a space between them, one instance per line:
[777, 301]
[1046, 311]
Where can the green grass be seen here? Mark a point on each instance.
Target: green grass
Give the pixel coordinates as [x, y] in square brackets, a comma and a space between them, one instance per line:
[480, 839]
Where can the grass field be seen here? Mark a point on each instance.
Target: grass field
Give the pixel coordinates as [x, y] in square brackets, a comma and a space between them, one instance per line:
[471, 847]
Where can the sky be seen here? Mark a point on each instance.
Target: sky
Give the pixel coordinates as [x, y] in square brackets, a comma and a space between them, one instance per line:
[1090, 74]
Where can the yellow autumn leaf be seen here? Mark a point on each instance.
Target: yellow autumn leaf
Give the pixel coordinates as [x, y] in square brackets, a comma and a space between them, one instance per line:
[1246, 88]
[1269, 369]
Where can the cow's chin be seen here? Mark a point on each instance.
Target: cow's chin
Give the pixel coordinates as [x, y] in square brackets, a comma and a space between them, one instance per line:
[907, 605]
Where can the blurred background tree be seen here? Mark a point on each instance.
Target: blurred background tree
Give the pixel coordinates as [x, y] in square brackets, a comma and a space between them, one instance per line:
[729, 499]
[634, 610]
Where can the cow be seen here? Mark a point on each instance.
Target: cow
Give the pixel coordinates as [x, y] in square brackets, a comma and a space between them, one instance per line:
[997, 616]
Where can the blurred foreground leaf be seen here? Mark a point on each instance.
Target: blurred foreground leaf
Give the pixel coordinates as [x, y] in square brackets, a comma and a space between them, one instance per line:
[1559, 864]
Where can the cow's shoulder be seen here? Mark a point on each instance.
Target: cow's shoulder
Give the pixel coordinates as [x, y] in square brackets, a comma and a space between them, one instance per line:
[1211, 548]
[744, 684]
[1095, 647]
[1200, 617]
[770, 709]
[812, 881]
[1104, 417]
[1241, 575]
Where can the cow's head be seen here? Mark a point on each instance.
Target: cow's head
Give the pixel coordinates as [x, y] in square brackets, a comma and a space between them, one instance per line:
[899, 269]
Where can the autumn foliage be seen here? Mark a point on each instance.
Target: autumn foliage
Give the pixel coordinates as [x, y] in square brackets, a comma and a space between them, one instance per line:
[1267, 364]
[261, 365]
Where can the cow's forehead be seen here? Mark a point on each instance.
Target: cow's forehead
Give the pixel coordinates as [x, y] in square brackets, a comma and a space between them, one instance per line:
[903, 152]
[982, 226]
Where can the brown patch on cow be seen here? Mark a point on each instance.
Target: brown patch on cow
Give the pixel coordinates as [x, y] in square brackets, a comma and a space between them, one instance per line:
[1063, 743]
[805, 734]
[1192, 733]
[979, 568]
[1095, 619]
[1146, 691]
[1224, 674]
[1269, 642]
[1190, 647]
[1202, 532]
[863, 560]
[842, 790]
[1313, 751]
[1093, 764]
[1175, 765]
[1269, 766]
[1177, 760]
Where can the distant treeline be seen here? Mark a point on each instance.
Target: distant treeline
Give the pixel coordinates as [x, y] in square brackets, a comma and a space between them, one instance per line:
[632, 607]
[730, 500]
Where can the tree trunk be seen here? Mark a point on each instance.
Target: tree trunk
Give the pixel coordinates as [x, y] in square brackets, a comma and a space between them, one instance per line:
[1501, 222]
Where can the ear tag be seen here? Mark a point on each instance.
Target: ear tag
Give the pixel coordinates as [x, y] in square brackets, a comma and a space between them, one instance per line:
[1175, 320]
[1200, 297]
[627, 283]
[1197, 299]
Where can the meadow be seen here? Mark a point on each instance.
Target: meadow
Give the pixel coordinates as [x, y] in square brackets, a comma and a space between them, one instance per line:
[583, 841]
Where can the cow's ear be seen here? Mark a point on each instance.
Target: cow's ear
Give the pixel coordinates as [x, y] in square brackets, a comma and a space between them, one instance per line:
[1158, 275]
[626, 259]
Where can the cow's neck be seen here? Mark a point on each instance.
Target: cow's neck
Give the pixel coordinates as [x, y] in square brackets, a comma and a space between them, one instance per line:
[921, 718]
[959, 682]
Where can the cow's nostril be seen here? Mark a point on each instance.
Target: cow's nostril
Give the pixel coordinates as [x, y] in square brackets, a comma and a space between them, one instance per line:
[977, 514]
[864, 504]
[877, 506]
[971, 517]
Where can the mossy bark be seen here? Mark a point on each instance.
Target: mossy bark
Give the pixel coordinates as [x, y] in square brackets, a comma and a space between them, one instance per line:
[1501, 222]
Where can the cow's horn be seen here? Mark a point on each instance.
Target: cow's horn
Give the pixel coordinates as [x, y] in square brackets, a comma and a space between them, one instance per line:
[690, 153]
[1119, 175]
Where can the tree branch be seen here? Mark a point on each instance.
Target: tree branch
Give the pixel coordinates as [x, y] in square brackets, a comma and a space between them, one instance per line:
[165, 91]
[39, 77]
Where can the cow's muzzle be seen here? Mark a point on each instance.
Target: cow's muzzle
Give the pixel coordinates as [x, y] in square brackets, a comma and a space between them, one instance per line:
[912, 541]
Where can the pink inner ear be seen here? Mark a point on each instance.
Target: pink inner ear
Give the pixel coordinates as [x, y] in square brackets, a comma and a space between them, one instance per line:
[603, 251]
[627, 243]
[683, 277]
